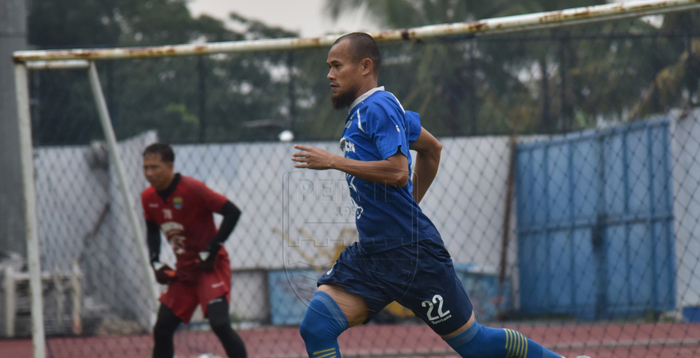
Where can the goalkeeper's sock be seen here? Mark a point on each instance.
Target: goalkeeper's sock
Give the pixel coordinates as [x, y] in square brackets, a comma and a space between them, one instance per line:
[321, 326]
[484, 342]
[217, 312]
[163, 332]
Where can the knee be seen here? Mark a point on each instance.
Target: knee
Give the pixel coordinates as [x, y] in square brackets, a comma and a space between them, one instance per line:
[308, 330]
[323, 319]
[313, 330]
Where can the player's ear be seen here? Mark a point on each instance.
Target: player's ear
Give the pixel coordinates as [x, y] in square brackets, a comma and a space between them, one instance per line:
[367, 66]
[170, 165]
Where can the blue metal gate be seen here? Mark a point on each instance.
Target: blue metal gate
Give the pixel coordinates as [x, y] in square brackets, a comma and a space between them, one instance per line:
[595, 223]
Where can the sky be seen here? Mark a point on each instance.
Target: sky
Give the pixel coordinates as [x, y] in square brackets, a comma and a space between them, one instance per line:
[304, 16]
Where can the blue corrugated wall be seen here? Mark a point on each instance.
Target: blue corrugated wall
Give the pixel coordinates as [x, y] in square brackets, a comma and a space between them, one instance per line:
[595, 223]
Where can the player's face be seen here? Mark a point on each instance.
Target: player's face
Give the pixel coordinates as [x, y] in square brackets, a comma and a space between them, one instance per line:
[345, 75]
[157, 172]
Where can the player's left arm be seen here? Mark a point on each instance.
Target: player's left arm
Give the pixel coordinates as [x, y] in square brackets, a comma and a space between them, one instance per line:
[393, 170]
[231, 214]
[428, 150]
[216, 203]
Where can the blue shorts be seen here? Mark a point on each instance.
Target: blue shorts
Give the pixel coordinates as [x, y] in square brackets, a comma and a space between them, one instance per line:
[419, 276]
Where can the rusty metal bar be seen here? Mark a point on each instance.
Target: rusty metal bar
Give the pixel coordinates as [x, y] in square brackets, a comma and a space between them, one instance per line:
[479, 28]
[58, 65]
[30, 205]
[124, 188]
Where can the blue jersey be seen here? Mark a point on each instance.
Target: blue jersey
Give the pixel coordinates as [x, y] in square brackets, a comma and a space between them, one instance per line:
[413, 126]
[386, 216]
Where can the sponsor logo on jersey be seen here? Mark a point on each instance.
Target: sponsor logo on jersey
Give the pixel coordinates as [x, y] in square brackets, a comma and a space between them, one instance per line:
[174, 232]
[178, 244]
[152, 205]
[351, 185]
[347, 145]
[167, 214]
[177, 202]
[218, 284]
[171, 227]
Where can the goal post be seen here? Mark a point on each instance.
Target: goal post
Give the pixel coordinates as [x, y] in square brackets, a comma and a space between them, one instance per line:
[26, 150]
[123, 183]
[24, 118]
[86, 59]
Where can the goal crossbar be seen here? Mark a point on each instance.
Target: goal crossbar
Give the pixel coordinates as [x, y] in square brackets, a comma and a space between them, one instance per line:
[534, 21]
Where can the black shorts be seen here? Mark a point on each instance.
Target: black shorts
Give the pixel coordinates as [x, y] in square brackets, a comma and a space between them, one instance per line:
[419, 276]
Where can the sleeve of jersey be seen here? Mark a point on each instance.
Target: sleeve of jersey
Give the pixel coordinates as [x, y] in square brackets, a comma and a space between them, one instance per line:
[211, 200]
[387, 129]
[413, 126]
[146, 214]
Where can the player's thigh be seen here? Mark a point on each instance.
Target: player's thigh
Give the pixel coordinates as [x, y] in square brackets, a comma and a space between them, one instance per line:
[181, 299]
[214, 285]
[461, 329]
[436, 295]
[353, 306]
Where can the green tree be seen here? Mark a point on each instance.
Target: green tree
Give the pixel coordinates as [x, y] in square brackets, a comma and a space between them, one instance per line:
[187, 99]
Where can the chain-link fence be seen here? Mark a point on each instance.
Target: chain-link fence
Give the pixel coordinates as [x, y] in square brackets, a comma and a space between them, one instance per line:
[566, 190]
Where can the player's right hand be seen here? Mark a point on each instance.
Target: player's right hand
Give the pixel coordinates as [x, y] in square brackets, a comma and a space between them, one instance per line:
[164, 274]
[312, 158]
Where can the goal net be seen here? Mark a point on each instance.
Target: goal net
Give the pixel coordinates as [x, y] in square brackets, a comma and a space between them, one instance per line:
[566, 192]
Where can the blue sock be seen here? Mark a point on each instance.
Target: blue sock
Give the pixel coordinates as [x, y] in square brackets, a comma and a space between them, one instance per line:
[484, 342]
[321, 326]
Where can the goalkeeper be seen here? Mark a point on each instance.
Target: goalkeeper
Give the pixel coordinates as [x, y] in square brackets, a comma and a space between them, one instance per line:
[182, 208]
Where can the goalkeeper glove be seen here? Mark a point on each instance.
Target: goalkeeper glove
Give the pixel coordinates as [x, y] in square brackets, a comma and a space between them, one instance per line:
[208, 258]
[164, 274]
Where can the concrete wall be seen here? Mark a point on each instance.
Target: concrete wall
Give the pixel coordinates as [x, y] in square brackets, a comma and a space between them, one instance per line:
[685, 144]
[466, 203]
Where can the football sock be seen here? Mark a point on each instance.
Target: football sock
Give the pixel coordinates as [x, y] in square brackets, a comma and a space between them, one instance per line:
[163, 332]
[484, 342]
[321, 326]
[217, 312]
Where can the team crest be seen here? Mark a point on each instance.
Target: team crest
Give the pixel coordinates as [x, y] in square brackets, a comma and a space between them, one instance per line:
[177, 202]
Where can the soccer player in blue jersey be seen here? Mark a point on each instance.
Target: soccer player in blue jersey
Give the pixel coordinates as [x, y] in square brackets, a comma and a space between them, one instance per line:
[400, 255]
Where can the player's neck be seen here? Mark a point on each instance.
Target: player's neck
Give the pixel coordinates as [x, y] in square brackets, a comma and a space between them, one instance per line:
[369, 85]
[167, 184]
[361, 96]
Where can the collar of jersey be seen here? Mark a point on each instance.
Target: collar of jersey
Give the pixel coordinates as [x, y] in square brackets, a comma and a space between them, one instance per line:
[363, 97]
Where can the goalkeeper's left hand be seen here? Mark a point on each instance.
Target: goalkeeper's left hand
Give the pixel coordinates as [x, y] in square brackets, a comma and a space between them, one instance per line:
[164, 274]
[208, 258]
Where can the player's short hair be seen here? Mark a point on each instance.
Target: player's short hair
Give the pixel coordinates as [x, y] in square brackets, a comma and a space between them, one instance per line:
[166, 151]
[362, 45]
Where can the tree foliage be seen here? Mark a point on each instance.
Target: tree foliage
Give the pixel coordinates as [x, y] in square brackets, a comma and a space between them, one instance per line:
[187, 99]
[536, 82]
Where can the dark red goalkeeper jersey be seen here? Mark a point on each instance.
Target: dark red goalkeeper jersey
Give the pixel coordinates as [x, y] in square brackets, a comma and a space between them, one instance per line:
[186, 218]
